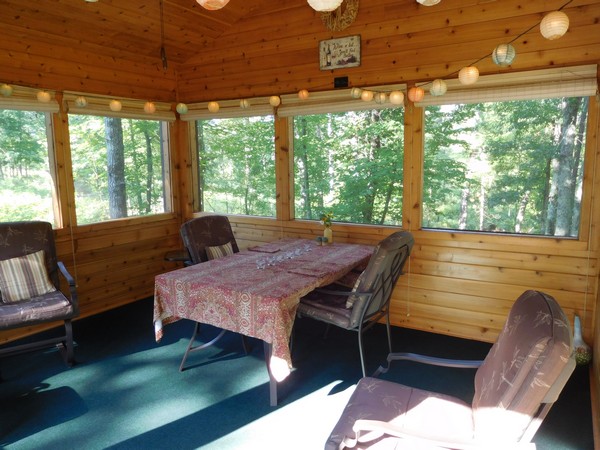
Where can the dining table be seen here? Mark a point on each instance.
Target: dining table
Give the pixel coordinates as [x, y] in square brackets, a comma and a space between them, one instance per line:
[256, 292]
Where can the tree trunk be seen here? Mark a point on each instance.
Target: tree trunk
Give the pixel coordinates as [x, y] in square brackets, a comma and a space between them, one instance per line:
[305, 186]
[115, 157]
[564, 183]
[149, 172]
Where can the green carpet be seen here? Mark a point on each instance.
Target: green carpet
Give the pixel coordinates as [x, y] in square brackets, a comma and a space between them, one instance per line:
[126, 392]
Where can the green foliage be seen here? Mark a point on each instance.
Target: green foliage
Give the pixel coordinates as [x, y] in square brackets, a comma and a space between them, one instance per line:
[237, 165]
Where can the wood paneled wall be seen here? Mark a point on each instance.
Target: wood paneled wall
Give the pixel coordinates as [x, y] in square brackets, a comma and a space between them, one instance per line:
[459, 284]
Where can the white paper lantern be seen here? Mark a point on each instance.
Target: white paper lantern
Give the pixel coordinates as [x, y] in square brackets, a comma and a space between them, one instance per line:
[396, 97]
[438, 87]
[416, 94]
[503, 55]
[43, 96]
[274, 101]
[115, 105]
[213, 107]
[325, 5]
[212, 5]
[303, 94]
[356, 92]
[554, 25]
[81, 102]
[244, 103]
[149, 108]
[380, 98]
[181, 108]
[468, 75]
[6, 90]
[428, 2]
[367, 96]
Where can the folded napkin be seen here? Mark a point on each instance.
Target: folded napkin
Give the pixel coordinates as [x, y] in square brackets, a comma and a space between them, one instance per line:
[265, 248]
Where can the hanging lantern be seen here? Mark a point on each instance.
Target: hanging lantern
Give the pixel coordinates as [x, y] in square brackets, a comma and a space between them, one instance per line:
[181, 108]
[6, 90]
[396, 97]
[428, 2]
[115, 105]
[356, 92]
[416, 94]
[325, 5]
[213, 107]
[380, 98]
[212, 5]
[81, 102]
[503, 55]
[274, 101]
[244, 103]
[438, 87]
[554, 25]
[468, 75]
[303, 94]
[367, 96]
[43, 96]
[149, 108]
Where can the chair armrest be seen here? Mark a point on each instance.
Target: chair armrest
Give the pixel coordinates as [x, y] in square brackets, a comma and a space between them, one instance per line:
[431, 360]
[66, 273]
[367, 430]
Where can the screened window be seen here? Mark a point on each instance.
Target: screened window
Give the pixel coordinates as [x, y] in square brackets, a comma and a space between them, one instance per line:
[513, 167]
[27, 188]
[350, 163]
[237, 165]
[119, 167]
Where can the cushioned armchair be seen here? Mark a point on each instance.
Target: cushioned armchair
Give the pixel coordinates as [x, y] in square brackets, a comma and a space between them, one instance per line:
[368, 301]
[206, 238]
[515, 386]
[29, 285]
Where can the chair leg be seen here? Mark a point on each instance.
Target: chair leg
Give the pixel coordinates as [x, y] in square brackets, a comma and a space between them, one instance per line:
[69, 356]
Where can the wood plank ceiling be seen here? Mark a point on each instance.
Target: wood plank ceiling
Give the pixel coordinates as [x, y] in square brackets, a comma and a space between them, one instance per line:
[123, 29]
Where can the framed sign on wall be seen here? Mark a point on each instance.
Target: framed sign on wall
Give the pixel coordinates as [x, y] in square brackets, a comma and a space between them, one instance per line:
[339, 53]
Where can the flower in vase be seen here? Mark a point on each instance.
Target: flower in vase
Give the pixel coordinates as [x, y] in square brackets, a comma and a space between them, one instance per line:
[326, 219]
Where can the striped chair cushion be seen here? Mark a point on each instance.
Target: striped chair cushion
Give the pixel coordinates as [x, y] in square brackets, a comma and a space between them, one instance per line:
[218, 251]
[24, 277]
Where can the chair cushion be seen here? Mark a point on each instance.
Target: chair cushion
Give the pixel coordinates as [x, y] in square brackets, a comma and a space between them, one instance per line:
[44, 308]
[326, 307]
[24, 277]
[218, 251]
[415, 411]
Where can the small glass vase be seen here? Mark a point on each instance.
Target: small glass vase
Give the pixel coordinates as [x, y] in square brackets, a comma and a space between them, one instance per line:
[583, 352]
[328, 233]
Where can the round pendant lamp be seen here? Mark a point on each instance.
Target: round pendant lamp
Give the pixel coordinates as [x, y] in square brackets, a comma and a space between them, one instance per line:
[503, 55]
[554, 25]
[325, 5]
[212, 5]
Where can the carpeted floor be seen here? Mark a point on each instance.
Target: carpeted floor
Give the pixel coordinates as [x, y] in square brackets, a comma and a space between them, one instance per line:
[126, 391]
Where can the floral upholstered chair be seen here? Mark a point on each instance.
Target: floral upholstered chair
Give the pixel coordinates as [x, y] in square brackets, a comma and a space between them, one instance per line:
[30, 288]
[515, 386]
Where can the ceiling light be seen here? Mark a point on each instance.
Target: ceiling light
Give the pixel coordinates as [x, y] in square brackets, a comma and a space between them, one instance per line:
[6, 90]
[396, 97]
[274, 101]
[438, 87]
[325, 5]
[303, 94]
[43, 96]
[212, 5]
[181, 108]
[554, 25]
[416, 94]
[213, 107]
[503, 55]
[428, 2]
[468, 75]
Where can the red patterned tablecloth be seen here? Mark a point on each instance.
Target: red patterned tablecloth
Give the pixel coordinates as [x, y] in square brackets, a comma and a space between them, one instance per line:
[235, 294]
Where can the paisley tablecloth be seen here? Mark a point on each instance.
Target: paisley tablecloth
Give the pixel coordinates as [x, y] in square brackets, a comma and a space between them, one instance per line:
[238, 294]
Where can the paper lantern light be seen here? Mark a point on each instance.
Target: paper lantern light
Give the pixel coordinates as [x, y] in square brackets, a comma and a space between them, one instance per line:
[43, 96]
[325, 5]
[356, 92]
[554, 25]
[416, 94]
[212, 5]
[380, 98]
[213, 107]
[81, 102]
[6, 90]
[468, 75]
[244, 103]
[115, 105]
[303, 94]
[428, 2]
[503, 55]
[438, 87]
[274, 101]
[181, 108]
[149, 108]
[367, 96]
[396, 97]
